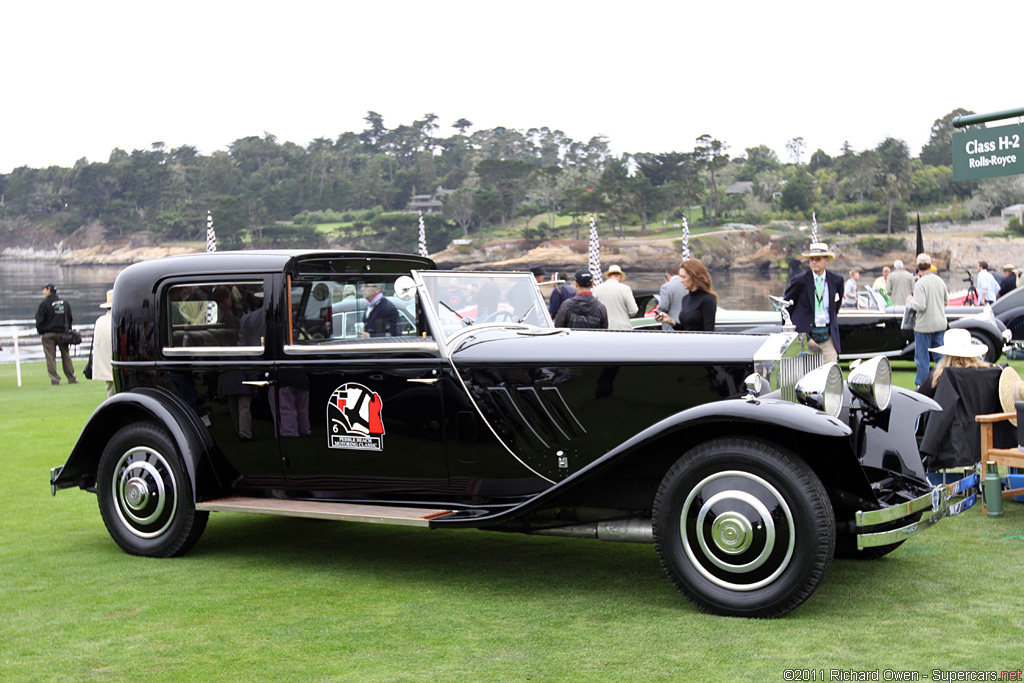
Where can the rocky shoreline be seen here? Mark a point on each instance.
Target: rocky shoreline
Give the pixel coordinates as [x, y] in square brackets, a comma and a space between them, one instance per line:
[953, 247]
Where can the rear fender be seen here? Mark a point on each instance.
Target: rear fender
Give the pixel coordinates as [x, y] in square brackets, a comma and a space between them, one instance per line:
[154, 405]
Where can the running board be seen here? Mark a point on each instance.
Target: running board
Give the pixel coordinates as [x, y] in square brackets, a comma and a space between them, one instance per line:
[312, 509]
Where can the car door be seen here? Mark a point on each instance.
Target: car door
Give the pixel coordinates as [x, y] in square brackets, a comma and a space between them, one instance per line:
[217, 361]
[358, 405]
[872, 330]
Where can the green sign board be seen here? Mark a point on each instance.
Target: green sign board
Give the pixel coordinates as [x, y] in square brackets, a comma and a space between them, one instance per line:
[988, 152]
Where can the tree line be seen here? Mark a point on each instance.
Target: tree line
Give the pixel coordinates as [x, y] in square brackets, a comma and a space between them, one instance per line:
[265, 192]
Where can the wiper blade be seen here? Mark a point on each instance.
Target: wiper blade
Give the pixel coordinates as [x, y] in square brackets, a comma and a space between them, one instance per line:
[465, 319]
[528, 312]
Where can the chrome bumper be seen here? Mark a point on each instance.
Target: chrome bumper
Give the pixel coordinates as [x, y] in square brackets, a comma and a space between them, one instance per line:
[54, 473]
[940, 501]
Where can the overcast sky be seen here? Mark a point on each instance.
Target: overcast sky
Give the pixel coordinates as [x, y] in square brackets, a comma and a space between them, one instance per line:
[80, 79]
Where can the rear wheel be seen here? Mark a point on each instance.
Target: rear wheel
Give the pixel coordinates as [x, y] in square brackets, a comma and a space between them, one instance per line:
[144, 496]
[994, 347]
[743, 528]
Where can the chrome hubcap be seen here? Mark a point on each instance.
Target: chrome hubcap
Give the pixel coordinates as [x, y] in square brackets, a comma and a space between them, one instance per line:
[732, 533]
[737, 530]
[144, 492]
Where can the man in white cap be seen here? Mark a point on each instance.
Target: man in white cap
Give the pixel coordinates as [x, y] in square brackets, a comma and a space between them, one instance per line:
[617, 299]
[817, 295]
[930, 299]
[900, 283]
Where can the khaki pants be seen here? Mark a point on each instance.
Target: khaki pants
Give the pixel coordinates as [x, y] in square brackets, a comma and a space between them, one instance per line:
[828, 350]
[51, 342]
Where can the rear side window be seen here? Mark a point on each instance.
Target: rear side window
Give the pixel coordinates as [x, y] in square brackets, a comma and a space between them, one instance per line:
[216, 317]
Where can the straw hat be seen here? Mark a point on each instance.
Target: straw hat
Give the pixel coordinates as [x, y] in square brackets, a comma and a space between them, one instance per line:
[1011, 389]
[958, 342]
[819, 249]
[110, 299]
[614, 270]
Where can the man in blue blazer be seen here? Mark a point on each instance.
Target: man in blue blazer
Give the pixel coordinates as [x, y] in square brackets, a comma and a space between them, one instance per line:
[817, 295]
[381, 315]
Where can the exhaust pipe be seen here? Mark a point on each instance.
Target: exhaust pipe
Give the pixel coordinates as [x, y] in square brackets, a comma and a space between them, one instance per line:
[633, 530]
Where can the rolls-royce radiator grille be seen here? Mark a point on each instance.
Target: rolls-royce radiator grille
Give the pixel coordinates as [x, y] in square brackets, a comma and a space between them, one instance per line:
[792, 369]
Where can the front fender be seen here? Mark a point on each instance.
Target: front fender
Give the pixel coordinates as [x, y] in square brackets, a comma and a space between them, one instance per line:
[980, 325]
[122, 409]
[1011, 316]
[764, 411]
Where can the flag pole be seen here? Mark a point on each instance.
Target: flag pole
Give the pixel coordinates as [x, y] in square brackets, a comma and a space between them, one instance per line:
[686, 240]
[422, 238]
[211, 236]
[594, 260]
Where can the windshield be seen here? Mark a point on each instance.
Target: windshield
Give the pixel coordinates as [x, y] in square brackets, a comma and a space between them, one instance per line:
[458, 300]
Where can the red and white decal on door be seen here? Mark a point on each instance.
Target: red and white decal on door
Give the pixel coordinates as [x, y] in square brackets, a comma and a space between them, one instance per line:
[354, 419]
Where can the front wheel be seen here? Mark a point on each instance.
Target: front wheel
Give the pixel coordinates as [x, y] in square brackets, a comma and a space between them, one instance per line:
[743, 528]
[144, 496]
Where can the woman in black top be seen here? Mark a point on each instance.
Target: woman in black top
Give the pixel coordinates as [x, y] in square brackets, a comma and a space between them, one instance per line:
[699, 307]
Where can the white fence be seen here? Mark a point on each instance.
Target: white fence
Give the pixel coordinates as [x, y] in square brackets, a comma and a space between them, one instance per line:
[21, 343]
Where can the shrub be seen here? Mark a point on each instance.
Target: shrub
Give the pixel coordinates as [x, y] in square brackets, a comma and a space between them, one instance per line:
[876, 246]
[279, 236]
[1015, 227]
[855, 225]
[537, 233]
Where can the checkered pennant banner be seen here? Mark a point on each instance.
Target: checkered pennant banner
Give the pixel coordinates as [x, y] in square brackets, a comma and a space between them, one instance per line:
[814, 228]
[594, 253]
[686, 240]
[211, 236]
[423, 238]
[211, 245]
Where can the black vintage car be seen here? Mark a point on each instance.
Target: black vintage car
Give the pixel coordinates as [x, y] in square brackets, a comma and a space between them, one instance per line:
[747, 462]
[873, 328]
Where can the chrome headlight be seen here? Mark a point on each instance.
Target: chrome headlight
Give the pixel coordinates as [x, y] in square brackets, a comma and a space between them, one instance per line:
[756, 385]
[822, 389]
[871, 382]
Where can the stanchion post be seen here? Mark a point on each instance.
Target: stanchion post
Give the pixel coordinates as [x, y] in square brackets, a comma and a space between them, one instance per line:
[17, 359]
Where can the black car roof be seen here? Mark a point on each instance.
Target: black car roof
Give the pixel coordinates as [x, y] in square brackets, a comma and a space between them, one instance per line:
[256, 260]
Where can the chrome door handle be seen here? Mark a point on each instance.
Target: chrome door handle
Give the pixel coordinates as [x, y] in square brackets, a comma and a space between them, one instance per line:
[422, 381]
[256, 382]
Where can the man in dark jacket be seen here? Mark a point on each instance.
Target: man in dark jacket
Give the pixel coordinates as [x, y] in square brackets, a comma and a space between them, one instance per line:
[1009, 282]
[53, 317]
[817, 295]
[582, 311]
[381, 315]
[560, 294]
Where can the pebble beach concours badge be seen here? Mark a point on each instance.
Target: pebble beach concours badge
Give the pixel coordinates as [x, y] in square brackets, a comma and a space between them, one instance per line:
[354, 419]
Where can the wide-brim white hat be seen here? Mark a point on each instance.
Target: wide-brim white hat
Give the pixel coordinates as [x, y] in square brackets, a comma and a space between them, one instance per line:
[818, 249]
[959, 342]
[110, 299]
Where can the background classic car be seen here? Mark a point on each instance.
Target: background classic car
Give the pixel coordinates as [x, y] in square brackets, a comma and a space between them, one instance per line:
[734, 454]
[872, 329]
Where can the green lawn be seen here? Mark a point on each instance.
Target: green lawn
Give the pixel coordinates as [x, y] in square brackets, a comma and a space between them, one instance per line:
[266, 599]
